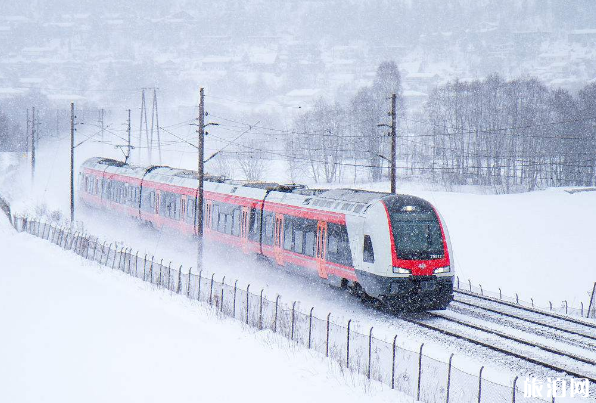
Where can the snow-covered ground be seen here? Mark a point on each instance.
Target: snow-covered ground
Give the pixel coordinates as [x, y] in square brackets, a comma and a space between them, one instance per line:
[73, 332]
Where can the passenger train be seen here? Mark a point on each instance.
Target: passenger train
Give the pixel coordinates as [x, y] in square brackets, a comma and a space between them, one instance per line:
[393, 248]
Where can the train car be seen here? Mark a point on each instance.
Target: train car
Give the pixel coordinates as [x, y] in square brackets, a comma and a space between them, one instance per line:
[393, 248]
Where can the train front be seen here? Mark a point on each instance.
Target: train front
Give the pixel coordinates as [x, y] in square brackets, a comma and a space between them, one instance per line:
[415, 270]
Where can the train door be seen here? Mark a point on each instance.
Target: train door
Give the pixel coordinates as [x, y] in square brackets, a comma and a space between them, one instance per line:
[322, 248]
[244, 228]
[157, 201]
[279, 230]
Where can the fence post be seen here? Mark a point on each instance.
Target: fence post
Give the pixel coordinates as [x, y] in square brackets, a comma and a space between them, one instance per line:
[234, 308]
[275, 317]
[199, 290]
[327, 342]
[179, 286]
[103, 245]
[169, 275]
[115, 253]
[369, 350]
[310, 326]
[261, 311]
[188, 285]
[211, 290]
[221, 300]
[582, 308]
[565, 306]
[95, 250]
[151, 270]
[293, 315]
[470, 283]
[500, 294]
[514, 389]
[120, 259]
[74, 236]
[516, 298]
[108, 254]
[137, 264]
[419, 371]
[480, 384]
[481, 290]
[247, 301]
[393, 364]
[449, 377]
[88, 246]
[145, 268]
[159, 278]
[348, 345]
[532, 301]
[550, 305]
[592, 299]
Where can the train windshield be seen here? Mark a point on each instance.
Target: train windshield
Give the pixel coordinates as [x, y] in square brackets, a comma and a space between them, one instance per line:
[417, 234]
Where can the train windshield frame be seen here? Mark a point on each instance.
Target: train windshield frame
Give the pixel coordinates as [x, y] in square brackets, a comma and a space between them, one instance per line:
[417, 233]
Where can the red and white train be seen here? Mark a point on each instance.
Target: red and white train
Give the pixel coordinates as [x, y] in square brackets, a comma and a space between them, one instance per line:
[394, 248]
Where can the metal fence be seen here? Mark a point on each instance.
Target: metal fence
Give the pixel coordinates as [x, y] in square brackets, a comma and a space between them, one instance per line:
[562, 308]
[411, 372]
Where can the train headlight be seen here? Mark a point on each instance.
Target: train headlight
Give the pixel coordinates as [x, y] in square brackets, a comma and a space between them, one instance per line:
[439, 270]
[400, 270]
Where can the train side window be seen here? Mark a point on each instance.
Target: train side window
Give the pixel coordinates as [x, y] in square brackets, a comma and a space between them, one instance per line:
[338, 245]
[298, 241]
[288, 233]
[368, 254]
[309, 243]
[254, 224]
[236, 222]
[332, 245]
[177, 206]
[190, 209]
[223, 223]
[269, 224]
[215, 217]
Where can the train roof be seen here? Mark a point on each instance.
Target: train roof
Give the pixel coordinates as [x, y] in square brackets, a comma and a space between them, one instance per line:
[347, 201]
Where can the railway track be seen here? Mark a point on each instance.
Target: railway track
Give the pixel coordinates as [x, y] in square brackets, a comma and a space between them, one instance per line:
[521, 308]
[575, 364]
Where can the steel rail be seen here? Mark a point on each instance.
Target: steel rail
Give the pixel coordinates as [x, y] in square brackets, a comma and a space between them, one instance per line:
[529, 320]
[490, 346]
[514, 338]
[527, 308]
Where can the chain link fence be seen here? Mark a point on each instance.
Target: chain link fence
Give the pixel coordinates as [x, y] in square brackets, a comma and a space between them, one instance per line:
[411, 372]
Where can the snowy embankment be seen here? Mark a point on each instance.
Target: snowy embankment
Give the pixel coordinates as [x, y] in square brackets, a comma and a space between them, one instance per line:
[73, 331]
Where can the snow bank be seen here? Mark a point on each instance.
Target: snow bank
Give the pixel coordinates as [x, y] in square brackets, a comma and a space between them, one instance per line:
[75, 332]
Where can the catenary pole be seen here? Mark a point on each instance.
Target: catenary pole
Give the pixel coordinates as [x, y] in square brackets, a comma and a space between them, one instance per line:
[72, 117]
[32, 143]
[201, 174]
[28, 136]
[128, 146]
[393, 143]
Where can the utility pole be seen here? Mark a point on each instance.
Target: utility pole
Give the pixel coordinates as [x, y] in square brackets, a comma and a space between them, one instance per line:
[128, 140]
[72, 118]
[201, 174]
[101, 123]
[143, 115]
[28, 150]
[156, 123]
[393, 142]
[32, 143]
